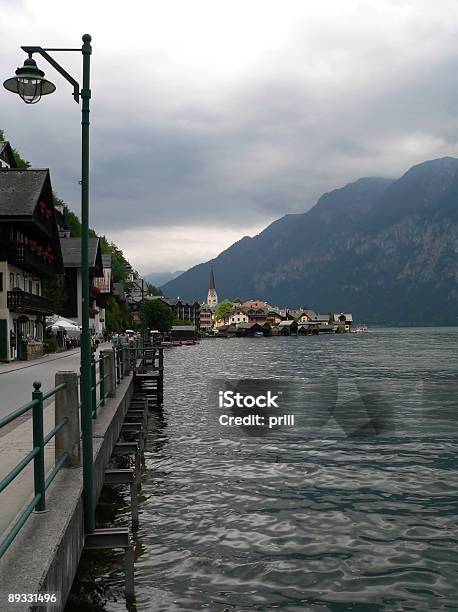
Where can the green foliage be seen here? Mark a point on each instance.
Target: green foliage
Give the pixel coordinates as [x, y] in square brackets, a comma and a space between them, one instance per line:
[182, 322]
[117, 316]
[223, 309]
[157, 315]
[21, 163]
[153, 290]
[54, 289]
[50, 345]
[120, 267]
[72, 221]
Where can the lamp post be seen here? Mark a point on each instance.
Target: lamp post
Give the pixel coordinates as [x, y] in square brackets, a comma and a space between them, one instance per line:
[29, 83]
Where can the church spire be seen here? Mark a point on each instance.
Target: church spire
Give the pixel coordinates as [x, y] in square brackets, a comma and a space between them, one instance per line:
[212, 297]
[212, 280]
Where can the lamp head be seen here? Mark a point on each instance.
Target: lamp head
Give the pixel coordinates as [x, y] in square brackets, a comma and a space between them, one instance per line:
[29, 82]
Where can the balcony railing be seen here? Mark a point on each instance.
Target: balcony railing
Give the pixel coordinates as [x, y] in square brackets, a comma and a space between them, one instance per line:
[21, 301]
[23, 256]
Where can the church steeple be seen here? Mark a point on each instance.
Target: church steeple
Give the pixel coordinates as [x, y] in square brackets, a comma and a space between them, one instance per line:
[212, 296]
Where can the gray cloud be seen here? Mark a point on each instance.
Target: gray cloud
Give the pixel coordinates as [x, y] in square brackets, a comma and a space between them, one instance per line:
[365, 89]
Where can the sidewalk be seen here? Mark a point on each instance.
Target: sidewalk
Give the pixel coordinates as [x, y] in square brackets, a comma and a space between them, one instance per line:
[21, 365]
[14, 447]
[16, 442]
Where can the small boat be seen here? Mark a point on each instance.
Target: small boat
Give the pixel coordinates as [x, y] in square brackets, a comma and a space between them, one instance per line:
[360, 329]
[176, 343]
[258, 334]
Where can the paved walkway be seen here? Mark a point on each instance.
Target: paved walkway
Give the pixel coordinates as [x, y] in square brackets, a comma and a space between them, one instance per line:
[16, 385]
[16, 379]
[13, 448]
[13, 366]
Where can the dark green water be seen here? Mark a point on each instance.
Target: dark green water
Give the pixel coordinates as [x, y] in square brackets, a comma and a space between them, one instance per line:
[319, 521]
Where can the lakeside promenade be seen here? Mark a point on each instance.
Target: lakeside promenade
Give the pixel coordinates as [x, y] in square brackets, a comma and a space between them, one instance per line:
[16, 383]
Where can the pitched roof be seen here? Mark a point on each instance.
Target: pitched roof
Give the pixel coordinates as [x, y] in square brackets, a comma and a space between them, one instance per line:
[71, 252]
[20, 191]
[175, 301]
[6, 153]
[212, 281]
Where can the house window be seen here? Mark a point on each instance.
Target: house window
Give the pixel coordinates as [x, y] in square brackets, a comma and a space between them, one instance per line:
[38, 288]
[18, 280]
[11, 281]
[1, 282]
[30, 287]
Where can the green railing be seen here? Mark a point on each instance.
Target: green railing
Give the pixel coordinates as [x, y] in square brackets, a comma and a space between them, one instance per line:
[99, 381]
[119, 363]
[41, 482]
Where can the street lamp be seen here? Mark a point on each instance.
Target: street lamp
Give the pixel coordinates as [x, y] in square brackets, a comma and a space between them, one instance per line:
[29, 83]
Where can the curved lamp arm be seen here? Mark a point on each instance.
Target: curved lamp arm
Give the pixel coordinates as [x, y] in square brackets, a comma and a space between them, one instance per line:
[58, 67]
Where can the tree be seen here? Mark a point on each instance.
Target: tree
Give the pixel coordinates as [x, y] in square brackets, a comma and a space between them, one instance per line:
[157, 315]
[223, 309]
[54, 289]
[153, 290]
[117, 316]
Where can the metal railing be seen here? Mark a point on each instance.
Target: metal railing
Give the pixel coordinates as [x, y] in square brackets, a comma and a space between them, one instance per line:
[119, 364]
[98, 383]
[99, 376]
[41, 482]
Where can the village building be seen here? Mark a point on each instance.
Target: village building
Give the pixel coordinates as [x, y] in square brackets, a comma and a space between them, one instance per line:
[101, 289]
[288, 328]
[212, 296]
[238, 316]
[30, 254]
[207, 309]
[257, 315]
[182, 309]
[71, 255]
[206, 318]
[256, 304]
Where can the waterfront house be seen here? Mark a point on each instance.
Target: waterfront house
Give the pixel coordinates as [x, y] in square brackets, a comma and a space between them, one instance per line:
[257, 315]
[306, 316]
[343, 319]
[101, 290]
[288, 328]
[30, 253]
[206, 318]
[71, 254]
[237, 316]
[182, 309]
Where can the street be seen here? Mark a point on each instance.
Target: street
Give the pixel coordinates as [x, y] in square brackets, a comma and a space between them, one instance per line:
[16, 385]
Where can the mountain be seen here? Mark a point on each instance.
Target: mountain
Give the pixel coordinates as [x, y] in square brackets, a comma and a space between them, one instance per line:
[160, 278]
[384, 249]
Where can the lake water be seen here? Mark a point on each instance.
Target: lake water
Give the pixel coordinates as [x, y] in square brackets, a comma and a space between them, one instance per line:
[332, 515]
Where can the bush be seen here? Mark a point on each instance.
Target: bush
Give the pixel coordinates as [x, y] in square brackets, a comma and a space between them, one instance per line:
[50, 345]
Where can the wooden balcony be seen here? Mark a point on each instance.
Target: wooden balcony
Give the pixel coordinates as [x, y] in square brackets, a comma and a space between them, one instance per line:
[24, 257]
[21, 301]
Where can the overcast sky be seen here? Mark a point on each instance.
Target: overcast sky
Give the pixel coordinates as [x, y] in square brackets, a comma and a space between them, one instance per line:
[212, 118]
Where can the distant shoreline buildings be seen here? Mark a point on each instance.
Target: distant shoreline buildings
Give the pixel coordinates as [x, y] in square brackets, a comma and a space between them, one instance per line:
[259, 318]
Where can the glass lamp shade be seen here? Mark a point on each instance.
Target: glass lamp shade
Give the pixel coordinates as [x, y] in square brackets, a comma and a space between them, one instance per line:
[29, 83]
